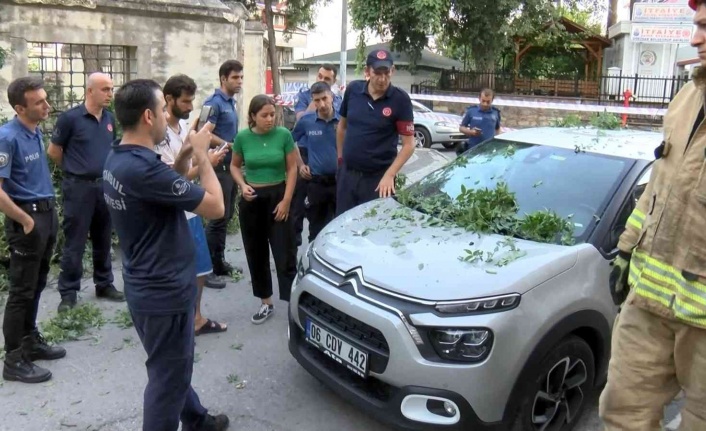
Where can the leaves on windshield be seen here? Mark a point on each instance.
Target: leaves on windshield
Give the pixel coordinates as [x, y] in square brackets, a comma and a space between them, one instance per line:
[486, 210]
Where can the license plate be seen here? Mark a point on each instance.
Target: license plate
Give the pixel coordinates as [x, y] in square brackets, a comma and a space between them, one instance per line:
[337, 348]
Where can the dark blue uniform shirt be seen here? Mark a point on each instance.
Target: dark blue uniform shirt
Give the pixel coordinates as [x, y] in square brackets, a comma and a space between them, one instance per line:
[147, 200]
[487, 121]
[85, 141]
[23, 163]
[304, 99]
[224, 117]
[318, 136]
[374, 126]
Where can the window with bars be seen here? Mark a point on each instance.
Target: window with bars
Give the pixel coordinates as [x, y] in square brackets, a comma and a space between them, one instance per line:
[65, 67]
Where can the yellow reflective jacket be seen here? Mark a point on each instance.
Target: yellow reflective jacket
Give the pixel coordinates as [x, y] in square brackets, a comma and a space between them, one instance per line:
[666, 233]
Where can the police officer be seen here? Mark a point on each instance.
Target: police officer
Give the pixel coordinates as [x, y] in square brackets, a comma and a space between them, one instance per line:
[316, 132]
[147, 200]
[223, 124]
[31, 223]
[374, 114]
[80, 143]
[305, 104]
[481, 122]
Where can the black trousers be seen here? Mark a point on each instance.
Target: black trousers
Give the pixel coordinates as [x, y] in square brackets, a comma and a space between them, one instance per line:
[354, 188]
[260, 232]
[169, 397]
[216, 230]
[298, 209]
[322, 203]
[85, 214]
[30, 256]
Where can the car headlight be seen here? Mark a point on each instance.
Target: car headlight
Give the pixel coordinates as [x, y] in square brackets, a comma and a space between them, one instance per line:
[303, 264]
[445, 124]
[482, 305]
[463, 345]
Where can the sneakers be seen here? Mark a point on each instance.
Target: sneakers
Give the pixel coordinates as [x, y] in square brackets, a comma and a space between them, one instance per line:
[36, 348]
[263, 314]
[67, 303]
[110, 293]
[210, 423]
[213, 282]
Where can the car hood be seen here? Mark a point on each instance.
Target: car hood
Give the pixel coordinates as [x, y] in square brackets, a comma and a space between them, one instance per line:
[399, 251]
[438, 116]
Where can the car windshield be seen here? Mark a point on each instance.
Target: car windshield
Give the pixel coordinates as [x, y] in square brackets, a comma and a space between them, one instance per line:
[528, 191]
[418, 107]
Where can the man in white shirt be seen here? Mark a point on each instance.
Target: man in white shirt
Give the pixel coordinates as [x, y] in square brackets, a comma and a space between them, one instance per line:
[179, 93]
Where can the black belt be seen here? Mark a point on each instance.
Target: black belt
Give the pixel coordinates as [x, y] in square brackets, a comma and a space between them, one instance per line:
[327, 180]
[86, 178]
[39, 206]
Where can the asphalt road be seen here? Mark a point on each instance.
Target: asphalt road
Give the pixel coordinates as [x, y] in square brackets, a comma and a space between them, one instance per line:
[246, 372]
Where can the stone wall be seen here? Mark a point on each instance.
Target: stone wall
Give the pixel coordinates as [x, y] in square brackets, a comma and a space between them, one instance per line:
[167, 36]
[520, 117]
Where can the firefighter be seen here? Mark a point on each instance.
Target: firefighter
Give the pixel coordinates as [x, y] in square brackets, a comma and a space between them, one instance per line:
[659, 277]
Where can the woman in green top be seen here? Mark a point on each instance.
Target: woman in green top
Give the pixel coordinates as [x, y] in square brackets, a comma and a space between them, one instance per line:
[267, 153]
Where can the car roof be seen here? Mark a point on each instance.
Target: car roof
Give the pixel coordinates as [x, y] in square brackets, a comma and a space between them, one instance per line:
[627, 143]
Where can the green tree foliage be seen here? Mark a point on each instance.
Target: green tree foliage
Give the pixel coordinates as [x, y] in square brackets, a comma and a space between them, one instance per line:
[479, 31]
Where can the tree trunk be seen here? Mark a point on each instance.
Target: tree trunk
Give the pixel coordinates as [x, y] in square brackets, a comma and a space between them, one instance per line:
[274, 61]
[612, 14]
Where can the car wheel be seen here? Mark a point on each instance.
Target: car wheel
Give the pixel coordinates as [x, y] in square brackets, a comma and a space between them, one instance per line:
[422, 138]
[555, 400]
[448, 145]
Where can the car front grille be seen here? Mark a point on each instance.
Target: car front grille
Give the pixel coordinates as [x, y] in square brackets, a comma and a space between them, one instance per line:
[371, 339]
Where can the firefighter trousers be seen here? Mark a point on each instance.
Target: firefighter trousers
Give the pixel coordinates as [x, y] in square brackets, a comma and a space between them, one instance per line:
[653, 358]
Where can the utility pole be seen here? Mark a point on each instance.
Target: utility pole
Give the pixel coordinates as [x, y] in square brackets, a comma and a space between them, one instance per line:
[344, 36]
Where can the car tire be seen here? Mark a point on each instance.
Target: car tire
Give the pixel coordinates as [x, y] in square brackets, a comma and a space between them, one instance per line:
[449, 145]
[423, 135]
[563, 384]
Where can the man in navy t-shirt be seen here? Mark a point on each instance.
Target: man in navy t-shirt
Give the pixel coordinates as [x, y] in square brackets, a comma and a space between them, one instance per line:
[316, 132]
[374, 114]
[147, 200]
[79, 145]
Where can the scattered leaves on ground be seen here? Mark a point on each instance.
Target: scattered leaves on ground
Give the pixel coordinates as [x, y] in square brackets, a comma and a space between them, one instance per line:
[232, 379]
[72, 324]
[237, 346]
[237, 275]
[123, 319]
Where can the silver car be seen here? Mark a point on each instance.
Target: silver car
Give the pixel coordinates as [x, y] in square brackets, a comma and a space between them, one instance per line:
[429, 326]
[432, 127]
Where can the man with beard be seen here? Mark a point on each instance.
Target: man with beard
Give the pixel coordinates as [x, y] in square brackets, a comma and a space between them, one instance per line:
[147, 200]
[179, 93]
[659, 276]
[223, 124]
[374, 114]
[80, 143]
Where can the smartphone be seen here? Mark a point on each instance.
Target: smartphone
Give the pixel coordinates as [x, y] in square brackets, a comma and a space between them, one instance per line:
[225, 145]
[206, 112]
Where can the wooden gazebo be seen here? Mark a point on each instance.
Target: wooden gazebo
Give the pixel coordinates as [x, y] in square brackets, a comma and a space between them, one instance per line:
[593, 46]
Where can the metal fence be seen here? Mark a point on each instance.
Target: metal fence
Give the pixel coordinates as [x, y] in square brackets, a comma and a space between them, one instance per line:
[605, 89]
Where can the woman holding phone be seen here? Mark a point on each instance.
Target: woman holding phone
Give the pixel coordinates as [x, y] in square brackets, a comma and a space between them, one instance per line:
[267, 153]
